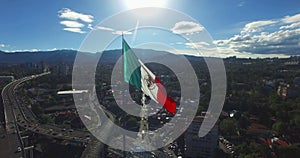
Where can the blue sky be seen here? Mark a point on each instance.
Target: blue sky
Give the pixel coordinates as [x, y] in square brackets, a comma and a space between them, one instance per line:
[245, 28]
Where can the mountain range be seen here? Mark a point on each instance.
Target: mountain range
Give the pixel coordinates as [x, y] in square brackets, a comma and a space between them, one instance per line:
[58, 56]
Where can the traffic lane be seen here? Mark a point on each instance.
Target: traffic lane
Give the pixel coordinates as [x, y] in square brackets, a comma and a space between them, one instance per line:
[9, 144]
[27, 119]
[29, 122]
[53, 130]
[169, 152]
[10, 140]
[223, 147]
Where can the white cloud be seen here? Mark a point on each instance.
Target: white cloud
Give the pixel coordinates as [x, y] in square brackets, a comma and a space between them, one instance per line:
[74, 29]
[67, 13]
[262, 38]
[71, 20]
[291, 19]
[104, 28]
[187, 27]
[257, 26]
[221, 43]
[22, 50]
[34, 50]
[121, 32]
[29, 50]
[198, 45]
[266, 38]
[73, 24]
[223, 52]
[2, 45]
[113, 31]
[277, 42]
[291, 26]
[90, 26]
[241, 4]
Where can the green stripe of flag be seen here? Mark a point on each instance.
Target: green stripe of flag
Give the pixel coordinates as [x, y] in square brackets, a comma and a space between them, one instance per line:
[132, 72]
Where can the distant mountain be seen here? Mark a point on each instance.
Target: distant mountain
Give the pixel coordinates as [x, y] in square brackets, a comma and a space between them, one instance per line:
[59, 56]
[46, 56]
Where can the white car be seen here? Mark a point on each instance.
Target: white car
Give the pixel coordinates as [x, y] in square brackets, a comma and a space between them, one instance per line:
[19, 149]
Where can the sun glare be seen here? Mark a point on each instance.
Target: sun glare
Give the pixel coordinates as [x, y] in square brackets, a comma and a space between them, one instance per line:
[132, 4]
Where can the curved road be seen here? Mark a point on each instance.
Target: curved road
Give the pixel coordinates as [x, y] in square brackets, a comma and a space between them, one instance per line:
[18, 115]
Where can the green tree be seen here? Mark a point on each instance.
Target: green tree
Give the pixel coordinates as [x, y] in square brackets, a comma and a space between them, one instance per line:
[46, 119]
[243, 122]
[289, 151]
[279, 127]
[253, 150]
[228, 126]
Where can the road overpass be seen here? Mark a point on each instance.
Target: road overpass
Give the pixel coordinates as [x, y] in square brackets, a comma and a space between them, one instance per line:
[18, 115]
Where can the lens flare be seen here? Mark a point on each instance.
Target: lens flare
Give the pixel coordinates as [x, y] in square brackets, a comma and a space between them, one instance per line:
[132, 4]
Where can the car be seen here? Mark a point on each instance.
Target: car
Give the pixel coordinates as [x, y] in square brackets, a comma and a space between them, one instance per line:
[153, 155]
[228, 146]
[19, 149]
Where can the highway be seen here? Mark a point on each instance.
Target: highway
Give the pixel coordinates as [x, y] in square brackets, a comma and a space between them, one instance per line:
[9, 142]
[25, 118]
[10, 134]
[18, 115]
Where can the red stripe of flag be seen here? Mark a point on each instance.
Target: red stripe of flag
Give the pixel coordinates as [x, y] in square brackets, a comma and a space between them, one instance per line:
[168, 103]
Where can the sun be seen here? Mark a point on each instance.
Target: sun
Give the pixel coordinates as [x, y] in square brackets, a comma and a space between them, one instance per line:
[132, 4]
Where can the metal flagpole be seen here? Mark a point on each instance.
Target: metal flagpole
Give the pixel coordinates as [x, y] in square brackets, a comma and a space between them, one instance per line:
[123, 124]
[143, 121]
[144, 124]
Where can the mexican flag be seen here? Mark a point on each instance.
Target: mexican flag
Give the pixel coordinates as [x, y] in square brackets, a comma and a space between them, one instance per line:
[139, 76]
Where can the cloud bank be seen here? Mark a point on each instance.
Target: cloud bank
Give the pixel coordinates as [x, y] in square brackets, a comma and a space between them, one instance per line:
[187, 27]
[74, 21]
[274, 36]
[67, 13]
[112, 30]
[2, 45]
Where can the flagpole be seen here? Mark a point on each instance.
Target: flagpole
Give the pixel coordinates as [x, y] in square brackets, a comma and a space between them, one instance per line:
[123, 124]
[143, 131]
[144, 124]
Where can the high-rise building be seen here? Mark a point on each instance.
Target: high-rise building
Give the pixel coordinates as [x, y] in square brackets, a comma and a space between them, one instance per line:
[62, 69]
[203, 147]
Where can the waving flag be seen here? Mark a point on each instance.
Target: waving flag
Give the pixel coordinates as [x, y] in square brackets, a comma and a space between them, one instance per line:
[139, 76]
